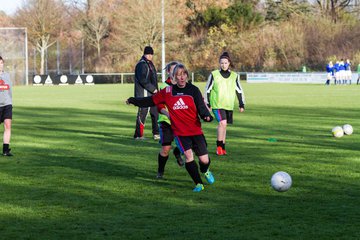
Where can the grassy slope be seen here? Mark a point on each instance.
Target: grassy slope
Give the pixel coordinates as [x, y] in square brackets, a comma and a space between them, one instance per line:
[77, 173]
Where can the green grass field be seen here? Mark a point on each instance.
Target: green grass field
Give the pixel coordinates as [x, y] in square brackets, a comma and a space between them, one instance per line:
[78, 174]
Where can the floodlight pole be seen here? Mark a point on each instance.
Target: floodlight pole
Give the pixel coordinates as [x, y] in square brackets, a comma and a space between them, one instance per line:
[82, 56]
[26, 59]
[58, 57]
[162, 42]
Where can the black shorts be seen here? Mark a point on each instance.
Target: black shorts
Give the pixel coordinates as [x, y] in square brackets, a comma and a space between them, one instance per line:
[166, 134]
[197, 143]
[222, 114]
[5, 113]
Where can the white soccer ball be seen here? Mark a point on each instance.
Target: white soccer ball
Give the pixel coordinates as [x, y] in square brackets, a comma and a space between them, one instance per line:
[281, 181]
[348, 129]
[337, 132]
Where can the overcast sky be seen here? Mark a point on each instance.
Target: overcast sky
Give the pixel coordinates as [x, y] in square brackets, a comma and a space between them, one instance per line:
[9, 6]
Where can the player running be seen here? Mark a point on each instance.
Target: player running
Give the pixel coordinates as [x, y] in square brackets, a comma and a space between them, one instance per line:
[185, 105]
[221, 88]
[166, 134]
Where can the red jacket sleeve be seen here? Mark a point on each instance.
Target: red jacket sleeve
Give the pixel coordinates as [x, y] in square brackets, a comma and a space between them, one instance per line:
[159, 97]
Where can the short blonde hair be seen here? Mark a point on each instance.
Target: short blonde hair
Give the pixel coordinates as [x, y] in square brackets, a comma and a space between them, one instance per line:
[178, 67]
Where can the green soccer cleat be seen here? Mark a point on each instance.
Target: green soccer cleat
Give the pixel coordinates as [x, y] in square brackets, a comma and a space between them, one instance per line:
[209, 177]
[198, 188]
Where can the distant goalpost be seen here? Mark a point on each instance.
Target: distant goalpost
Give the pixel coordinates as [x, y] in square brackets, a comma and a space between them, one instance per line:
[14, 51]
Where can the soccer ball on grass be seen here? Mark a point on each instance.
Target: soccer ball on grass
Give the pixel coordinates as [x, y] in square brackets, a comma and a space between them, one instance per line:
[348, 129]
[281, 181]
[337, 132]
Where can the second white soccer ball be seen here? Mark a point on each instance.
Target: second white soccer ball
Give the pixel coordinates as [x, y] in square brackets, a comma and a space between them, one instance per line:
[348, 129]
[281, 181]
[337, 132]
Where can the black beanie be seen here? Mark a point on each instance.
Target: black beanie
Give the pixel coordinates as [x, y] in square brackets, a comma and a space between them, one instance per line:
[148, 50]
[225, 55]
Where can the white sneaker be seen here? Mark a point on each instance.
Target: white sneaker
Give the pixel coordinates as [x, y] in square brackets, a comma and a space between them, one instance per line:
[156, 137]
[140, 138]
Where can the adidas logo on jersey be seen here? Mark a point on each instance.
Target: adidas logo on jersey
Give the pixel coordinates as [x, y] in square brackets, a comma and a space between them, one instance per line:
[180, 104]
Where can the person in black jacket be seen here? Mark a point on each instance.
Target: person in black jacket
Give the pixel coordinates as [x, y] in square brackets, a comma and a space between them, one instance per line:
[145, 85]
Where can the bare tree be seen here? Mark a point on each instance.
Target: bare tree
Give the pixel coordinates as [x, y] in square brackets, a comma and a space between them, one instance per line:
[138, 23]
[43, 19]
[95, 22]
[5, 21]
[143, 22]
[333, 7]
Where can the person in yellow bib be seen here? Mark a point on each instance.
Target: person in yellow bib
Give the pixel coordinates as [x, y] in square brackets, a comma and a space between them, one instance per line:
[222, 87]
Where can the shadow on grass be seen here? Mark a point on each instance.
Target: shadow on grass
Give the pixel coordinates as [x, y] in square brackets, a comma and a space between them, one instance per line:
[79, 174]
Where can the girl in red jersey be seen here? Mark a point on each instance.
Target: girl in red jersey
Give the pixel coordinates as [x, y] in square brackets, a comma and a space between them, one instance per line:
[185, 106]
[166, 134]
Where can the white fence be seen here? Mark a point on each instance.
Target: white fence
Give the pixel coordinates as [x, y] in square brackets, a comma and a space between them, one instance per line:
[284, 77]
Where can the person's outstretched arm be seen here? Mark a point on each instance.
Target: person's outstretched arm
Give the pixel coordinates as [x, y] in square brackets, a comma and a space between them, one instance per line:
[141, 102]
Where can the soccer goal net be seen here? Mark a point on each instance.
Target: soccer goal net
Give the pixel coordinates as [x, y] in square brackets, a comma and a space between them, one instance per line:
[13, 49]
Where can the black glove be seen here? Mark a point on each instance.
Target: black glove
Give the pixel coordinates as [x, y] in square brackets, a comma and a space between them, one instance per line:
[130, 100]
[210, 118]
